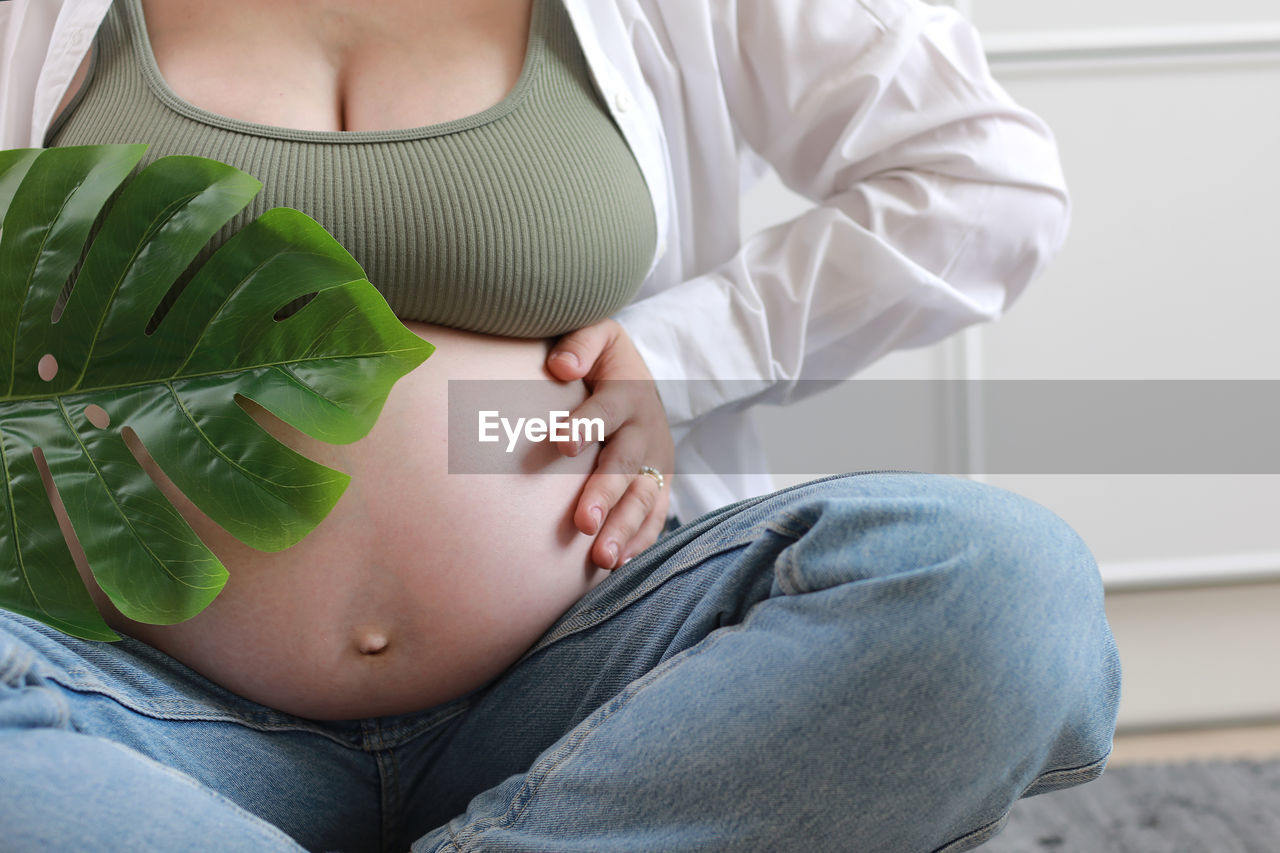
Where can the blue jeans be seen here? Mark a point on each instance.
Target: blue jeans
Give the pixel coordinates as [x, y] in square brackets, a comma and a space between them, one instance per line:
[872, 662]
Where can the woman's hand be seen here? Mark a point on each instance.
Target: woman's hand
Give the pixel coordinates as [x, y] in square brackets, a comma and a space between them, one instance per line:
[625, 508]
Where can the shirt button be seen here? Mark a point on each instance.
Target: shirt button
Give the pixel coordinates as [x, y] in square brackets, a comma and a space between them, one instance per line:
[622, 101]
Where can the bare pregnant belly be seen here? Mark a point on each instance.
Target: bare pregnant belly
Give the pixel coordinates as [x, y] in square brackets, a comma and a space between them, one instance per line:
[421, 585]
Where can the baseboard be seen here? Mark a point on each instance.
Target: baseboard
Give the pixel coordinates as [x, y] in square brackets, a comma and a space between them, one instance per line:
[1197, 655]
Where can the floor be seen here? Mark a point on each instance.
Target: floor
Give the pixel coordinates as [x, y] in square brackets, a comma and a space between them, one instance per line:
[1260, 741]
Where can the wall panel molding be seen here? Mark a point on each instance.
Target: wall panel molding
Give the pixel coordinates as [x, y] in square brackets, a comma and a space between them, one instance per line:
[1243, 42]
[1196, 571]
[1061, 54]
[1066, 51]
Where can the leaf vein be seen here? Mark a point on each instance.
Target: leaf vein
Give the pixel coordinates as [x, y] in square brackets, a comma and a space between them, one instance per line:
[66, 416]
[13, 527]
[213, 315]
[125, 386]
[252, 477]
[44, 239]
[153, 228]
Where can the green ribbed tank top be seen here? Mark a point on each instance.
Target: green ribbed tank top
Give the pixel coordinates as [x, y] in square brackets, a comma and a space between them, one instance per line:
[528, 219]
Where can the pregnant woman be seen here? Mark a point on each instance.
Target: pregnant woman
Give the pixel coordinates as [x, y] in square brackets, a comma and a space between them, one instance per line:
[872, 662]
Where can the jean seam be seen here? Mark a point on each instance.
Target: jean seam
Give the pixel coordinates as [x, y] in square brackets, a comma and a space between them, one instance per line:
[726, 541]
[539, 774]
[86, 680]
[589, 618]
[1075, 775]
[981, 835]
[453, 842]
[401, 734]
[684, 564]
[230, 719]
[389, 771]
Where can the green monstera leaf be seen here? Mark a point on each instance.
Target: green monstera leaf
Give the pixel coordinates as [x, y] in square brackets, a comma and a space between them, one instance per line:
[172, 378]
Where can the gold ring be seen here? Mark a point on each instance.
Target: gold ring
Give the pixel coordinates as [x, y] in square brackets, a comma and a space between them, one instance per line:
[650, 471]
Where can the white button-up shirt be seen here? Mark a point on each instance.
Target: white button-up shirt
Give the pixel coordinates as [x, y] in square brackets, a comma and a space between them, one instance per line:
[936, 198]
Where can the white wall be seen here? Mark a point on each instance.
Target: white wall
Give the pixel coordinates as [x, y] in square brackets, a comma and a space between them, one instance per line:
[1168, 118]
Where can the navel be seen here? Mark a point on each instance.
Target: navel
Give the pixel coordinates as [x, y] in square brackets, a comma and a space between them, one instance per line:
[372, 642]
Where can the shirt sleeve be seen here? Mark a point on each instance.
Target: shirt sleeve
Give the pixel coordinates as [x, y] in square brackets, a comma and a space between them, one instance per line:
[937, 199]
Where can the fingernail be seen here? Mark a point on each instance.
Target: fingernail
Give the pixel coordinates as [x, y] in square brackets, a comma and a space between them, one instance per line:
[567, 357]
[612, 550]
[597, 516]
[628, 560]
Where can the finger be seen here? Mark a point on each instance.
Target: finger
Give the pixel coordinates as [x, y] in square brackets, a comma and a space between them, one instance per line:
[576, 353]
[615, 466]
[651, 529]
[626, 519]
[599, 495]
[611, 405]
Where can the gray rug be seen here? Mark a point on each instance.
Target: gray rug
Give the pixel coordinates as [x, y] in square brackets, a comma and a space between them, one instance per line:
[1213, 807]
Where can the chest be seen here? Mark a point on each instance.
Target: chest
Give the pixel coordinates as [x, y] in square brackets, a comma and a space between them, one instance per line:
[340, 64]
[527, 218]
